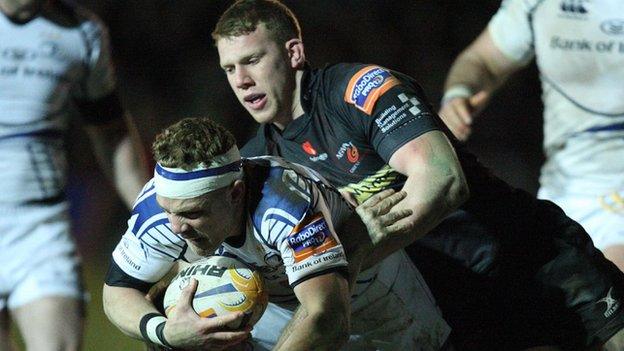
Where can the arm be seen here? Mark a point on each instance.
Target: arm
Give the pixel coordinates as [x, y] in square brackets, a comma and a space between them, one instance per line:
[322, 320]
[476, 73]
[435, 187]
[126, 307]
[120, 156]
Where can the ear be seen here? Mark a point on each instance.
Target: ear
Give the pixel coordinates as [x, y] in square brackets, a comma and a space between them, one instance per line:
[237, 192]
[296, 53]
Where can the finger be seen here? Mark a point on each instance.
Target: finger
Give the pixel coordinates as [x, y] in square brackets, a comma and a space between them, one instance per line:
[186, 296]
[400, 227]
[388, 203]
[222, 322]
[460, 129]
[479, 100]
[375, 199]
[463, 110]
[225, 339]
[394, 216]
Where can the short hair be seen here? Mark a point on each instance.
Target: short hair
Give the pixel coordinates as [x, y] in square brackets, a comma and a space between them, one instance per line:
[244, 16]
[190, 142]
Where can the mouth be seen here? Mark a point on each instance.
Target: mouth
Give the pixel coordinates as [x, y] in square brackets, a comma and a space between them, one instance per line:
[255, 101]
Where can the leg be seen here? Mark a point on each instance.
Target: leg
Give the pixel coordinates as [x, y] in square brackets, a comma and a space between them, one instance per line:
[51, 323]
[6, 344]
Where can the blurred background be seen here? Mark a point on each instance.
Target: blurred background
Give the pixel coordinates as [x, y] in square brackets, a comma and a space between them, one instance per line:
[168, 69]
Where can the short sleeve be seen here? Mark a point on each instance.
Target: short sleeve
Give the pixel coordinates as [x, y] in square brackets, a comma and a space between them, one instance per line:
[312, 247]
[392, 108]
[510, 29]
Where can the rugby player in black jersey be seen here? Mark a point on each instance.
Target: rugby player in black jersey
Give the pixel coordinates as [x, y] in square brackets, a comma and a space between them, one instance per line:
[370, 131]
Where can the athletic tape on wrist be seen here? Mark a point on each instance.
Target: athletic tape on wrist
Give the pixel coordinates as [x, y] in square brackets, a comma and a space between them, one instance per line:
[152, 326]
[456, 91]
[177, 183]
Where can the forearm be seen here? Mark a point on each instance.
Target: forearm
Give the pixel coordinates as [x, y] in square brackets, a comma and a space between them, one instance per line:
[120, 157]
[481, 66]
[313, 332]
[129, 171]
[435, 187]
[125, 307]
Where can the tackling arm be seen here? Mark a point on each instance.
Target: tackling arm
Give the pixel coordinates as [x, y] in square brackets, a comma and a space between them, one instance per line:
[434, 188]
[322, 320]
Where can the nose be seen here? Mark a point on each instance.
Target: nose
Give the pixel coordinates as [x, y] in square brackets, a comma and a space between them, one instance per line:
[242, 80]
[177, 226]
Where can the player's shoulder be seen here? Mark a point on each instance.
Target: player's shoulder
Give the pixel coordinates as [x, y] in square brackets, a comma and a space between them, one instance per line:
[146, 213]
[358, 85]
[279, 193]
[523, 6]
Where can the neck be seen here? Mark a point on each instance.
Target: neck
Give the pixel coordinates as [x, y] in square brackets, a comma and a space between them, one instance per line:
[296, 110]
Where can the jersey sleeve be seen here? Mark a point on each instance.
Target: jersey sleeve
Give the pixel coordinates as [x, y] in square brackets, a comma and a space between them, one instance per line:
[149, 248]
[303, 232]
[386, 108]
[511, 31]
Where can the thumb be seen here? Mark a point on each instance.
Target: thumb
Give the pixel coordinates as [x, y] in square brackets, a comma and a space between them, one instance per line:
[479, 100]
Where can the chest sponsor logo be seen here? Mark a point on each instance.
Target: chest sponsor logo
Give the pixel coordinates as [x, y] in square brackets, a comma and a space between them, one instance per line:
[311, 151]
[367, 85]
[613, 27]
[311, 237]
[350, 151]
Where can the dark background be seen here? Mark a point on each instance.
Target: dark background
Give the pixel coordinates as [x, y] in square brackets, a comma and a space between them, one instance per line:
[168, 69]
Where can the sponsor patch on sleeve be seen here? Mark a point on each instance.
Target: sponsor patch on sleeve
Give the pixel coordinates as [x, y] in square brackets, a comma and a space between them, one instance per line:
[311, 237]
[367, 85]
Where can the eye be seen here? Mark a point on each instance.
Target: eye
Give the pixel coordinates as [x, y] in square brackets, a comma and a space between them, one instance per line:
[191, 215]
[253, 60]
[228, 70]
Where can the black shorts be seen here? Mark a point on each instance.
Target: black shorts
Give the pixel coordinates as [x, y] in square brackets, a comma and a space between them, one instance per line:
[524, 276]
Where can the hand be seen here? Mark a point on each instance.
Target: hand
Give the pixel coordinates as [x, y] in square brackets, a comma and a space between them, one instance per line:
[379, 217]
[458, 113]
[187, 330]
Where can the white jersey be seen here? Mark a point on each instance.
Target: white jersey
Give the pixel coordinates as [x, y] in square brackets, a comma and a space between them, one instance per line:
[290, 237]
[289, 231]
[43, 64]
[579, 49]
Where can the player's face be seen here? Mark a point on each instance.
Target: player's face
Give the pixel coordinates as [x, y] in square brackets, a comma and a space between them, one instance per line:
[260, 74]
[21, 9]
[203, 222]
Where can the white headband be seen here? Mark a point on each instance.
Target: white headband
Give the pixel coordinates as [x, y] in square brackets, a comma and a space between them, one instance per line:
[177, 183]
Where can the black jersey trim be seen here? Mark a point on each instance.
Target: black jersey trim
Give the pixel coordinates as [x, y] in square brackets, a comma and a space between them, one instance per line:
[115, 276]
[343, 271]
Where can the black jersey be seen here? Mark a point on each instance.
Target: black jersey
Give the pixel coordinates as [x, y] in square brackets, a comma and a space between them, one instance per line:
[356, 116]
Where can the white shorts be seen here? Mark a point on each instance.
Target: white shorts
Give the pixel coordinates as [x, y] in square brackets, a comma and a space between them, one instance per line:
[395, 312]
[602, 216]
[38, 255]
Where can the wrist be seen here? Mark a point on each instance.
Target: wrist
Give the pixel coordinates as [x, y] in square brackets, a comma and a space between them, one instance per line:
[456, 91]
[152, 327]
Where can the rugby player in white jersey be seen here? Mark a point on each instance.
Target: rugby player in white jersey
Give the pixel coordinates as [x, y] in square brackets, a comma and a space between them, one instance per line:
[52, 56]
[262, 210]
[579, 49]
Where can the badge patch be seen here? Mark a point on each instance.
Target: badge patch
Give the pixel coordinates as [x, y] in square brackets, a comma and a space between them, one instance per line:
[367, 85]
[311, 237]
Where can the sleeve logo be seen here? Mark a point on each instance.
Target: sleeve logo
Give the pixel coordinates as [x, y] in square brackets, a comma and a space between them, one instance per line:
[311, 237]
[367, 85]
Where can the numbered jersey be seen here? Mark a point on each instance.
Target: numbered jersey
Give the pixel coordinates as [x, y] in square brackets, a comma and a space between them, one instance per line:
[579, 48]
[44, 65]
[289, 237]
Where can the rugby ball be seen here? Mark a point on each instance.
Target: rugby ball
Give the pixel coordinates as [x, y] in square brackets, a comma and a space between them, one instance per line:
[225, 285]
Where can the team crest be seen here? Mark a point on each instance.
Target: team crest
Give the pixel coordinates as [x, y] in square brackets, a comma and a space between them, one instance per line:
[367, 85]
